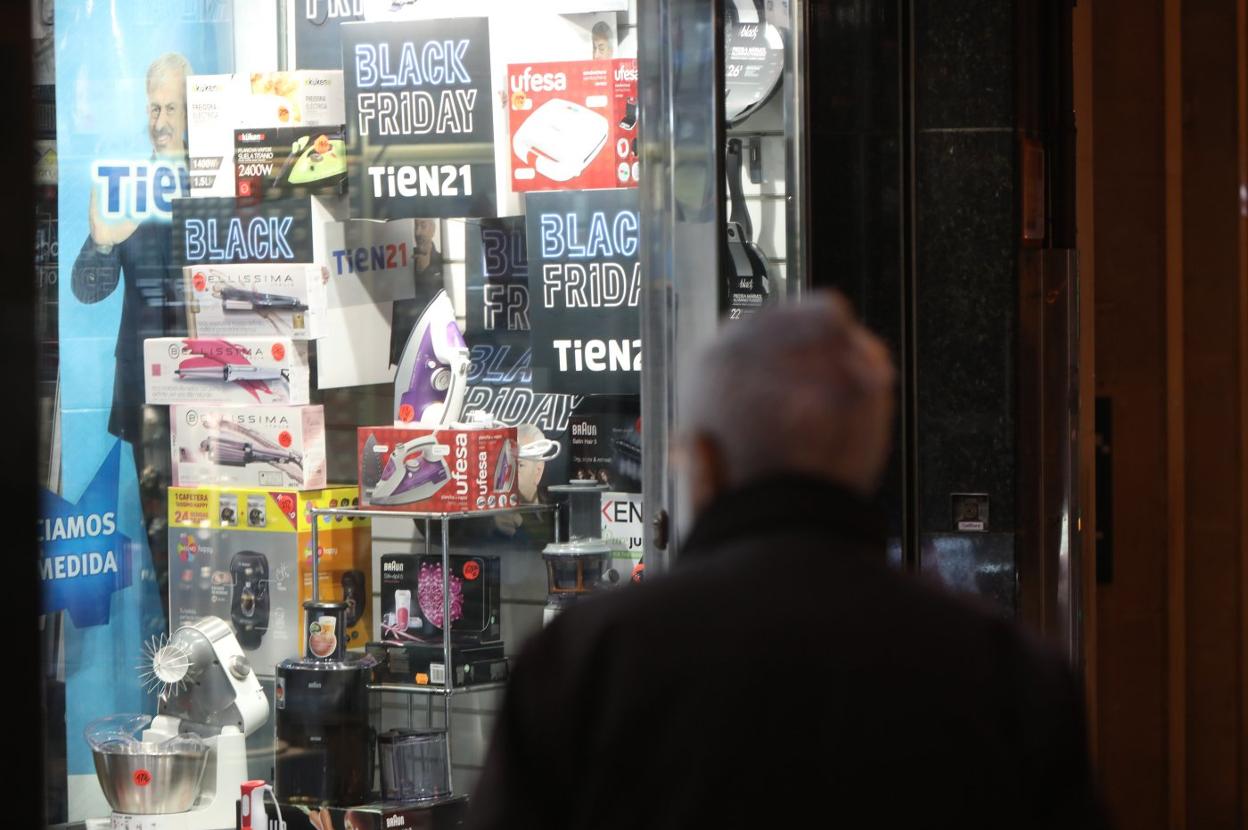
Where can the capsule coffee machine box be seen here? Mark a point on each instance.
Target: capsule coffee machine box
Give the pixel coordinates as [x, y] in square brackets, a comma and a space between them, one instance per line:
[218, 105]
[236, 371]
[412, 606]
[255, 300]
[248, 446]
[434, 470]
[244, 555]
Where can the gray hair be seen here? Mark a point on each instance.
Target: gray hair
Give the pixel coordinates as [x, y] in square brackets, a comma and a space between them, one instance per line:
[777, 392]
[167, 66]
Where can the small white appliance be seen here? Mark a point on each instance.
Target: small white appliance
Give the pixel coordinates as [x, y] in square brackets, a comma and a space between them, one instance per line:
[560, 139]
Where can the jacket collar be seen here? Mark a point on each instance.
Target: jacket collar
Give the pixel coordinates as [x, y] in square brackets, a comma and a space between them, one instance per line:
[786, 504]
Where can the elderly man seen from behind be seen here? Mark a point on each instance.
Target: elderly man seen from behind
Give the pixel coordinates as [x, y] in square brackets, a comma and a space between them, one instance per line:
[782, 674]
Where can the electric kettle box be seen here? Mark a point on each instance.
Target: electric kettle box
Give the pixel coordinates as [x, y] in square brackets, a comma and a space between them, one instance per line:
[437, 470]
[412, 604]
[255, 300]
[218, 105]
[243, 554]
[246, 371]
[573, 124]
[248, 446]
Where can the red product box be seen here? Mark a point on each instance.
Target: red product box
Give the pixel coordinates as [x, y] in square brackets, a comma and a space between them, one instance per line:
[573, 125]
[433, 470]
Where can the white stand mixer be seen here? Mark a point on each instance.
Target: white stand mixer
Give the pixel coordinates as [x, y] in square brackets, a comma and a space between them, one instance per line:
[209, 689]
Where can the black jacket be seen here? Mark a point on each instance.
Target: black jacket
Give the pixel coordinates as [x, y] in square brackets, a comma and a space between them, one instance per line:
[782, 675]
[152, 306]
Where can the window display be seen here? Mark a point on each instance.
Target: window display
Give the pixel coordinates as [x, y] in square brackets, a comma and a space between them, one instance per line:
[377, 357]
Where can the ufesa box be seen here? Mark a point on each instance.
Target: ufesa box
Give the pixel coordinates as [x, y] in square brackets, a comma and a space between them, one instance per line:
[248, 446]
[244, 555]
[433, 470]
[255, 300]
[235, 371]
[218, 105]
[573, 125]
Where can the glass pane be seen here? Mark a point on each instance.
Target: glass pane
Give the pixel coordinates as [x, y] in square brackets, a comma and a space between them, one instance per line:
[302, 235]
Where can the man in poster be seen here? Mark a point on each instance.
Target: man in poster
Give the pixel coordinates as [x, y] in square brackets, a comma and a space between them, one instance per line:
[140, 248]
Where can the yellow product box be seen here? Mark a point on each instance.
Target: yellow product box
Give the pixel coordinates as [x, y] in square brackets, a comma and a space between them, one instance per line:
[244, 555]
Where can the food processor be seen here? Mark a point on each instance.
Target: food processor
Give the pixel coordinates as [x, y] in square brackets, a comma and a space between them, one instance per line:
[324, 740]
[574, 567]
[183, 768]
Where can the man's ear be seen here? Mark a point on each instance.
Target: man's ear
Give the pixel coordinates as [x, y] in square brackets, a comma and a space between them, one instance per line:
[705, 469]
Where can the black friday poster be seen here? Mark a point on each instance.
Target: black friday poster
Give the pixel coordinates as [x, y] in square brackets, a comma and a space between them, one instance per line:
[420, 119]
[500, 380]
[585, 291]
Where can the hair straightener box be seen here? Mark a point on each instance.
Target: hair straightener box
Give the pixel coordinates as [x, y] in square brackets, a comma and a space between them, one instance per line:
[248, 371]
[255, 300]
[248, 446]
[244, 555]
[437, 470]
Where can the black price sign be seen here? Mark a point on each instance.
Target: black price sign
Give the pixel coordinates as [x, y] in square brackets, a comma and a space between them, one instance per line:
[420, 121]
[585, 290]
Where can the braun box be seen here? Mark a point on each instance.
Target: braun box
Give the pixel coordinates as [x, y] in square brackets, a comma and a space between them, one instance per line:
[432, 470]
[243, 555]
[238, 371]
[217, 105]
[248, 446]
[255, 300]
[412, 605]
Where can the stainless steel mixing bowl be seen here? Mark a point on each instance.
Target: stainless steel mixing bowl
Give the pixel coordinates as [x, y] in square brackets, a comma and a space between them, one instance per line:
[150, 783]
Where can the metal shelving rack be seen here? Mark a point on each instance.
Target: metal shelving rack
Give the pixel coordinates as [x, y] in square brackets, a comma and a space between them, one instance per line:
[448, 690]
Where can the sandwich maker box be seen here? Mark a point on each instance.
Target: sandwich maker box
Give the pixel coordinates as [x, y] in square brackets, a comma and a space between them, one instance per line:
[573, 125]
[248, 446]
[437, 470]
[255, 300]
[235, 371]
[412, 605]
[423, 665]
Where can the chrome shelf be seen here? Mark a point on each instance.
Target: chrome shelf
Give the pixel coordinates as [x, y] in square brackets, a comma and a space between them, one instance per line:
[412, 689]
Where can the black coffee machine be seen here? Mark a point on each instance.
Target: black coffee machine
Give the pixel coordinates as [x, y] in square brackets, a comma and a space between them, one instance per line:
[324, 741]
[249, 599]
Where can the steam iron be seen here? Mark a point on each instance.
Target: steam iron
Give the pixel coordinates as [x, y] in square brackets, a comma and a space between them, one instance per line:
[315, 160]
[433, 371]
[415, 471]
[504, 475]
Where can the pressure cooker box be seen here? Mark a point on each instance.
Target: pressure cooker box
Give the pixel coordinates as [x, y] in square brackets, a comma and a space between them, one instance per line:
[243, 554]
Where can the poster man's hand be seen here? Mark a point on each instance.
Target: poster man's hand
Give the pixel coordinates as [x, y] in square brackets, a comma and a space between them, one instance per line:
[108, 232]
[507, 523]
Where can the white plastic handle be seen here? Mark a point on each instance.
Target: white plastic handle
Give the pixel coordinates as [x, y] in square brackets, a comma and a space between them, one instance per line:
[542, 449]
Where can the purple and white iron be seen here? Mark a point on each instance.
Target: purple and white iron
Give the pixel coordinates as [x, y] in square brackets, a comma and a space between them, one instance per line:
[415, 471]
[433, 372]
[504, 470]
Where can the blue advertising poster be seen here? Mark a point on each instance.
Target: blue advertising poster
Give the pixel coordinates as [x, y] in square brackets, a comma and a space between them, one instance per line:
[121, 145]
